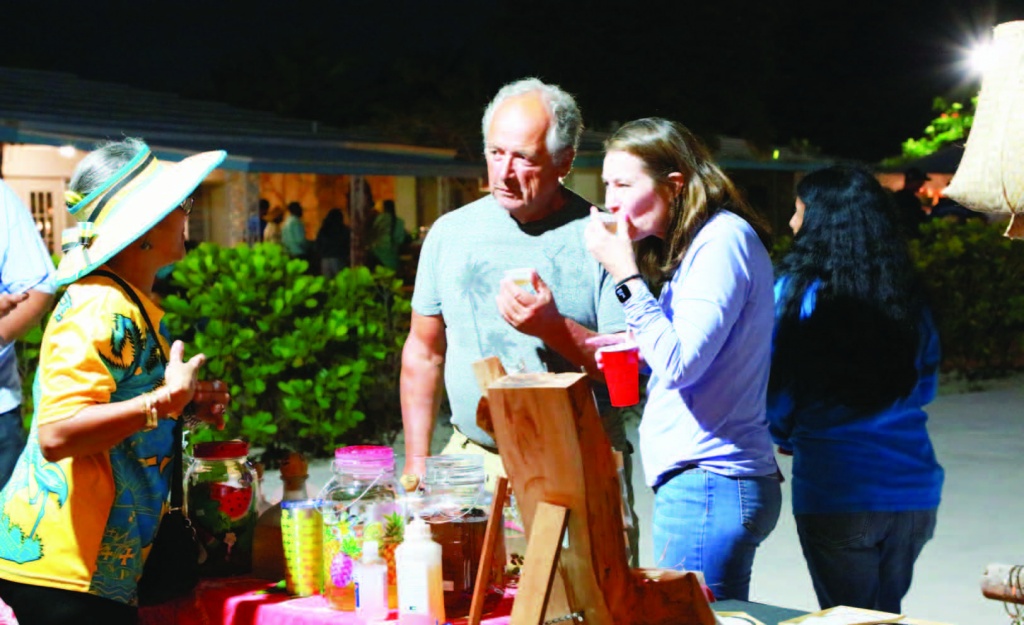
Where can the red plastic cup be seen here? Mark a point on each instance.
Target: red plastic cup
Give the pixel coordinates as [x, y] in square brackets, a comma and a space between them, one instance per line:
[621, 366]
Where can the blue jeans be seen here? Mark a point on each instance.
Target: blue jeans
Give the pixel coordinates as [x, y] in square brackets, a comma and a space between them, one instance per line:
[864, 559]
[711, 523]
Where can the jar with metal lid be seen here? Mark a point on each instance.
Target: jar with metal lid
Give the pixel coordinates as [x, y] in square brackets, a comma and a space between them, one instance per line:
[362, 501]
[458, 507]
[220, 499]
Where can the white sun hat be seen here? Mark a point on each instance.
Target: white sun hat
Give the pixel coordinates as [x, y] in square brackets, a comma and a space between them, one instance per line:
[126, 206]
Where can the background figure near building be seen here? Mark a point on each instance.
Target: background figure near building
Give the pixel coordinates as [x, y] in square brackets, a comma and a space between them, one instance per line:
[909, 209]
[256, 223]
[855, 360]
[293, 232]
[333, 242]
[463, 309]
[388, 237]
[272, 229]
[706, 339]
[26, 287]
[88, 492]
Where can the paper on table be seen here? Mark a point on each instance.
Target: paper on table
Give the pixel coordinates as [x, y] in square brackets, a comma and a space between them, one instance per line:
[843, 615]
[735, 618]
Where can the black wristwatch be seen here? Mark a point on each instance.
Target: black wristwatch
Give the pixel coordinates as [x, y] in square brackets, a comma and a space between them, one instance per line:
[622, 291]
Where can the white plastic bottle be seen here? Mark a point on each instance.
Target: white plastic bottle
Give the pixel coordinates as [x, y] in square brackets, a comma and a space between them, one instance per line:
[420, 584]
[371, 575]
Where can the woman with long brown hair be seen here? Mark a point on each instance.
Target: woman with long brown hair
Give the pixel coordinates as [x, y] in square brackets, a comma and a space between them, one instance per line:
[704, 329]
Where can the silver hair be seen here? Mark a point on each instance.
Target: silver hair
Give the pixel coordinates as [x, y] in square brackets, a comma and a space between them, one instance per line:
[102, 163]
[563, 136]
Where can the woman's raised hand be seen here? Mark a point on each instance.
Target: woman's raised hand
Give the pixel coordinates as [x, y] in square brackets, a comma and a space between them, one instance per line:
[613, 251]
[181, 379]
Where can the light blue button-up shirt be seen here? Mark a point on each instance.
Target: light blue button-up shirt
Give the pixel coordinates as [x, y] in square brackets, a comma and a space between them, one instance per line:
[24, 264]
[707, 340]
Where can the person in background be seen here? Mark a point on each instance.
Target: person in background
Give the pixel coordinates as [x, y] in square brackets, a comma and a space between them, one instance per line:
[293, 233]
[272, 232]
[388, 237]
[26, 291]
[909, 210]
[855, 360]
[89, 490]
[706, 338]
[257, 223]
[333, 243]
[463, 309]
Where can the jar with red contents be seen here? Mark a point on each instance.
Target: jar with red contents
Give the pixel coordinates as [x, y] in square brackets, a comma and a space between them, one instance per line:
[220, 500]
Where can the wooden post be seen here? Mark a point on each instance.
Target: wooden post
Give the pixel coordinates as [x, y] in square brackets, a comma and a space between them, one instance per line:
[1003, 582]
[493, 533]
[540, 565]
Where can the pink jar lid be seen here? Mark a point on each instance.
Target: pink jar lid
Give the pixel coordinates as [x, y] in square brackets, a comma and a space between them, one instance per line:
[363, 458]
[221, 450]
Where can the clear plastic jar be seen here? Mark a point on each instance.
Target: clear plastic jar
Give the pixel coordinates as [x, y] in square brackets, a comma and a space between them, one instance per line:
[458, 507]
[363, 501]
[221, 492]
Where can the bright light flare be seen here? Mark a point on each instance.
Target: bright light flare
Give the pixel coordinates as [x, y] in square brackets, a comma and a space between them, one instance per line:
[980, 57]
[67, 151]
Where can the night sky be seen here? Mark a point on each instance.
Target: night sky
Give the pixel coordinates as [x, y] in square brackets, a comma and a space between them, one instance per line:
[853, 78]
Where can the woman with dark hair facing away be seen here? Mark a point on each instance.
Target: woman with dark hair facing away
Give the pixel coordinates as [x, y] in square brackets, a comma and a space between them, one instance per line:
[706, 338]
[333, 243]
[89, 491]
[855, 358]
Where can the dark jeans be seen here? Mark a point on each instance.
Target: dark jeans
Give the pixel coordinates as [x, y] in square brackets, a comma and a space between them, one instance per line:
[864, 559]
[12, 441]
[39, 605]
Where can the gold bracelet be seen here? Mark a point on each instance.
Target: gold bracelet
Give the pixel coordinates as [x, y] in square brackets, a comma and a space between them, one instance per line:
[149, 411]
[165, 396]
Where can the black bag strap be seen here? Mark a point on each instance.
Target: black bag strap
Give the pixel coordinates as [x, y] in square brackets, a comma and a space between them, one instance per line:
[177, 476]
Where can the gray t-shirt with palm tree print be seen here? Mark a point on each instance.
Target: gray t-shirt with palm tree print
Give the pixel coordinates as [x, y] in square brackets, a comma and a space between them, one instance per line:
[462, 263]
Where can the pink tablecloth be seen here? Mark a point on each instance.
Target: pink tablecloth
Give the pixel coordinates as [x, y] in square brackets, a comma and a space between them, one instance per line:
[245, 601]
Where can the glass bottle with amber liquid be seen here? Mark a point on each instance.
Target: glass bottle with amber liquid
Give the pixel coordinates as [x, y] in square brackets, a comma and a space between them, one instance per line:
[457, 508]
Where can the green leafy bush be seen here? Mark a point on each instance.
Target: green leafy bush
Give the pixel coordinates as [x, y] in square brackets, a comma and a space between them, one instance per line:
[306, 359]
[975, 279]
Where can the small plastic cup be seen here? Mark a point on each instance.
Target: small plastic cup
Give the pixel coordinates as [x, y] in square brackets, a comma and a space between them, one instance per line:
[521, 276]
[610, 221]
[621, 365]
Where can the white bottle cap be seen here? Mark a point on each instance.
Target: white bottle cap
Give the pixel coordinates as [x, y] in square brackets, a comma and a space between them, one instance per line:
[418, 529]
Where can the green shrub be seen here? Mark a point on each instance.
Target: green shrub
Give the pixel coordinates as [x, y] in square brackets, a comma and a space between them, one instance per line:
[301, 355]
[975, 280]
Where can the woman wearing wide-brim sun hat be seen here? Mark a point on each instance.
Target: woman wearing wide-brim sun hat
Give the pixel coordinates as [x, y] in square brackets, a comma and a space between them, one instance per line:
[80, 512]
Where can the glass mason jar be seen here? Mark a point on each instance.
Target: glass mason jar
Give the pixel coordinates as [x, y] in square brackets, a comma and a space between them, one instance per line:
[220, 499]
[457, 507]
[362, 501]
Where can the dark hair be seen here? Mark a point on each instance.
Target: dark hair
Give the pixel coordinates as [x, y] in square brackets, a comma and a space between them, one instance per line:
[858, 346]
[295, 209]
[665, 147]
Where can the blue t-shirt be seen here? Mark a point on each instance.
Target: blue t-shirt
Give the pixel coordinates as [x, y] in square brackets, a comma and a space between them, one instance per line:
[845, 461]
[24, 264]
[707, 341]
[461, 266]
